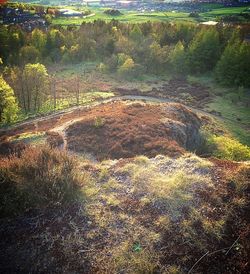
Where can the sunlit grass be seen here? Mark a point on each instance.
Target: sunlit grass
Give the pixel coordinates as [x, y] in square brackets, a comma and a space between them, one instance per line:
[84, 99]
[36, 138]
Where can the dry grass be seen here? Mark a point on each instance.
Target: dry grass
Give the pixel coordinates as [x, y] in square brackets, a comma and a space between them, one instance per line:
[40, 177]
[139, 215]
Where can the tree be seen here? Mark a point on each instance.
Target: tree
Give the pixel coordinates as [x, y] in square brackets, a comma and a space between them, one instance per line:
[55, 39]
[157, 58]
[178, 59]
[29, 54]
[35, 86]
[136, 33]
[204, 51]
[31, 86]
[15, 41]
[38, 40]
[244, 72]
[127, 68]
[8, 103]
[4, 45]
[233, 67]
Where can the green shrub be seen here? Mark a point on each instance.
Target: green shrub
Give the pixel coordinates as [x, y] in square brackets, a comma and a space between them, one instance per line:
[229, 149]
[99, 122]
[40, 178]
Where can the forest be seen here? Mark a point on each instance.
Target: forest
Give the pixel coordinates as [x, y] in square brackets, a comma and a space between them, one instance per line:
[129, 50]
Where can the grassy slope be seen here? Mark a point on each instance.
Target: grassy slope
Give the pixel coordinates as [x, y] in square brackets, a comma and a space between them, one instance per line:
[229, 111]
[232, 111]
[236, 115]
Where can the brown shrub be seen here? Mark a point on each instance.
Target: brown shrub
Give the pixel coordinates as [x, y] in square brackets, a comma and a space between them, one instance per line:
[39, 178]
[7, 148]
[135, 129]
[54, 139]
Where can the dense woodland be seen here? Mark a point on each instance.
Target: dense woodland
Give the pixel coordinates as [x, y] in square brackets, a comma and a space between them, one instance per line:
[129, 50]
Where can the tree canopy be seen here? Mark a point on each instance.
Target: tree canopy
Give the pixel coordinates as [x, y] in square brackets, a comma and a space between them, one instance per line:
[8, 103]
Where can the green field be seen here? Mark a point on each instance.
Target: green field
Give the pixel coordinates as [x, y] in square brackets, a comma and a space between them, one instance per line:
[217, 13]
[127, 16]
[136, 17]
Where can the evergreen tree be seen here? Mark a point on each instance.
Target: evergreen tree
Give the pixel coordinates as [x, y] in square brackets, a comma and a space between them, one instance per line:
[204, 51]
[178, 59]
[136, 34]
[233, 67]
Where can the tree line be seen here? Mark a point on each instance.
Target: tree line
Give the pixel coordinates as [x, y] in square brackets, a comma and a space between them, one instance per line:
[132, 49]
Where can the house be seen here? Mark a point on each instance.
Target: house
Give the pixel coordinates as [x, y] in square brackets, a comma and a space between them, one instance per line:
[70, 13]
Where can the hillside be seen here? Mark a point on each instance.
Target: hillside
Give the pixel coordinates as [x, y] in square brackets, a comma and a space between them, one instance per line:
[140, 215]
[124, 137]
[172, 213]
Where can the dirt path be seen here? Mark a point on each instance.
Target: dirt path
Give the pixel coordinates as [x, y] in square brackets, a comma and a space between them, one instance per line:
[61, 130]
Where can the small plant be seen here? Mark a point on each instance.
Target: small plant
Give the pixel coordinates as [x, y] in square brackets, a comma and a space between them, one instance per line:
[99, 122]
[134, 258]
[223, 147]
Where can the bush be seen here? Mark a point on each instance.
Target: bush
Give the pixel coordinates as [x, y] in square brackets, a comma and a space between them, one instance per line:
[129, 69]
[229, 149]
[194, 14]
[112, 12]
[40, 178]
[99, 122]
[102, 68]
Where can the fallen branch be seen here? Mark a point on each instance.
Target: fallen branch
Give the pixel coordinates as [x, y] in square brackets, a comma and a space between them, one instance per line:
[233, 245]
[216, 251]
[197, 262]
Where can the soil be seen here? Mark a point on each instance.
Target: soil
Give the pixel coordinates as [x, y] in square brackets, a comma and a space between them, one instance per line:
[121, 130]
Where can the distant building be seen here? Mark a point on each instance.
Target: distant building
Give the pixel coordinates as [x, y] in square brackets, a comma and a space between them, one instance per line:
[70, 13]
